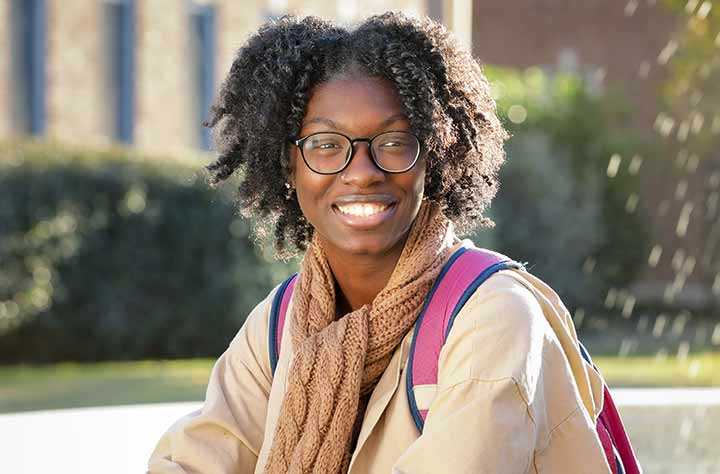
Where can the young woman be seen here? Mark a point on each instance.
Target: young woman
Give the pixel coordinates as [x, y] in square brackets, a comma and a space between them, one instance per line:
[366, 150]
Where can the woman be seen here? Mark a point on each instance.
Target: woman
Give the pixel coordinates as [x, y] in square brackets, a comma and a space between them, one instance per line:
[365, 149]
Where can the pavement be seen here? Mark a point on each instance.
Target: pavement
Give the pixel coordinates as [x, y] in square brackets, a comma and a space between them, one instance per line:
[118, 440]
[107, 440]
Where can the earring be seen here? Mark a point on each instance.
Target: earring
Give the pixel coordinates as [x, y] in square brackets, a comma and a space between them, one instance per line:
[289, 191]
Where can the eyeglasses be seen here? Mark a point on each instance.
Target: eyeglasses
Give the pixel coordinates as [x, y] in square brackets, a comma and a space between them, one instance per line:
[331, 152]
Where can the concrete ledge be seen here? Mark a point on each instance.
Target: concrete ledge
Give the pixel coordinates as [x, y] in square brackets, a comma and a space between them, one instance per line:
[666, 396]
[672, 430]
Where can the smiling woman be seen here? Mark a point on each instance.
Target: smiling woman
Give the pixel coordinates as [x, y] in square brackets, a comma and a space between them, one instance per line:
[361, 214]
[366, 150]
[426, 84]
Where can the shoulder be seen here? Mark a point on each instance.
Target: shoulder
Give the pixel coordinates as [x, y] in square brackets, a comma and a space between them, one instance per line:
[500, 332]
[505, 301]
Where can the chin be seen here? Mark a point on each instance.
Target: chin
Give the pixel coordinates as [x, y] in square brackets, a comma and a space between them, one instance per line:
[369, 246]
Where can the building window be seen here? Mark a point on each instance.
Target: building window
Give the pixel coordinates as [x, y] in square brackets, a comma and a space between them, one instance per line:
[120, 67]
[203, 40]
[28, 30]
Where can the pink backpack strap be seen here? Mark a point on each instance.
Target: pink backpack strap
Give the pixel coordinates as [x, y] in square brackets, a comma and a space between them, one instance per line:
[278, 312]
[467, 269]
[612, 434]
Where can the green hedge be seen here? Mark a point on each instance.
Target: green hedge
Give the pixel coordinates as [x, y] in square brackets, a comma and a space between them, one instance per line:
[558, 208]
[112, 256]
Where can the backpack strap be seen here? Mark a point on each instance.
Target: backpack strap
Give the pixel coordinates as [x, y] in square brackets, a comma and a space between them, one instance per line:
[278, 311]
[612, 432]
[464, 272]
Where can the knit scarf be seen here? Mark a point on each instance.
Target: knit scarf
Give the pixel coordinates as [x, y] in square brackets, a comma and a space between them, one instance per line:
[338, 362]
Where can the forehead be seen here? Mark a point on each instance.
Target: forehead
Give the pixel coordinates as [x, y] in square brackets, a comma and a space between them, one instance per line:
[353, 101]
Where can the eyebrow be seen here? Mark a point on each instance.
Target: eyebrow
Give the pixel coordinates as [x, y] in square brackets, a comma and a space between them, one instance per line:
[330, 123]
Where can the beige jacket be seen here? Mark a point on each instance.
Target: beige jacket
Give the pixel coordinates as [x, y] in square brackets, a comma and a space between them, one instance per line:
[513, 396]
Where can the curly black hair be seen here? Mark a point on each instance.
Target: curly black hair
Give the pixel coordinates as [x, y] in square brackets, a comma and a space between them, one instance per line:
[441, 87]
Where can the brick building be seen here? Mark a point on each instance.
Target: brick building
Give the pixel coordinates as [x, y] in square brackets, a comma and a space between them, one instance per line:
[98, 72]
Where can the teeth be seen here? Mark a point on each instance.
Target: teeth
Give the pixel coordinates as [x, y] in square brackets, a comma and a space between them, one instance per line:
[362, 210]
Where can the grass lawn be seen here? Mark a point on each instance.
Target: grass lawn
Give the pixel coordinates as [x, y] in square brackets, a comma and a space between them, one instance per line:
[25, 387]
[697, 370]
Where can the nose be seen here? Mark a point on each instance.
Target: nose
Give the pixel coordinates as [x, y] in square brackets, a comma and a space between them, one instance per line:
[362, 171]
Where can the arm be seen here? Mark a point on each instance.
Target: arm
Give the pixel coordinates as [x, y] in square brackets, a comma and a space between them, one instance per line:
[505, 395]
[225, 435]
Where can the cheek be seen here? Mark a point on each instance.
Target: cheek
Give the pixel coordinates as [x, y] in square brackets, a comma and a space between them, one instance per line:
[311, 189]
[417, 181]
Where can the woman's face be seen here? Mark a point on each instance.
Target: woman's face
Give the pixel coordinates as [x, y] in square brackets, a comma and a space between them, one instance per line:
[360, 210]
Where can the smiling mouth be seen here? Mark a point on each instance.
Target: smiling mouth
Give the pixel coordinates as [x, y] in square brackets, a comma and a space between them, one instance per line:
[364, 215]
[362, 209]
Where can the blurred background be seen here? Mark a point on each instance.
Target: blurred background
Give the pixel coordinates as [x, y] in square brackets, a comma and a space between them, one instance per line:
[123, 275]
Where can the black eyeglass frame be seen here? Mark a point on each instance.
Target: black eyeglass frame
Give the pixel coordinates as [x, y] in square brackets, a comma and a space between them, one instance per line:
[301, 141]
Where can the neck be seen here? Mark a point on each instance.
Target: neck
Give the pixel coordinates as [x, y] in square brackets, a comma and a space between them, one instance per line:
[359, 278]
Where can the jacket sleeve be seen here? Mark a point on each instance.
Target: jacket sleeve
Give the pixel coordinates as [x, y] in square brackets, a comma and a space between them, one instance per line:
[226, 434]
[505, 396]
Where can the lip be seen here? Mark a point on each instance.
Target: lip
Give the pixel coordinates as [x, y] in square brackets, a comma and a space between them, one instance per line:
[365, 222]
[363, 198]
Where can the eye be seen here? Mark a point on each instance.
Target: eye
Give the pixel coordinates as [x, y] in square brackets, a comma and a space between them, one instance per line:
[393, 143]
[325, 143]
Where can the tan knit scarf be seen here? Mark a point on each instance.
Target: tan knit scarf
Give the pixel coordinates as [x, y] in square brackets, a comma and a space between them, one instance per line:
[337, 363]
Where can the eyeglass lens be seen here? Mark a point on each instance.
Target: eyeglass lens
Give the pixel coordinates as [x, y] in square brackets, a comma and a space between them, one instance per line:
[328, 152]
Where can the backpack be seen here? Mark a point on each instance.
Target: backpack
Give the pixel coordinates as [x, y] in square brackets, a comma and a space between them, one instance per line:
[463, 273]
